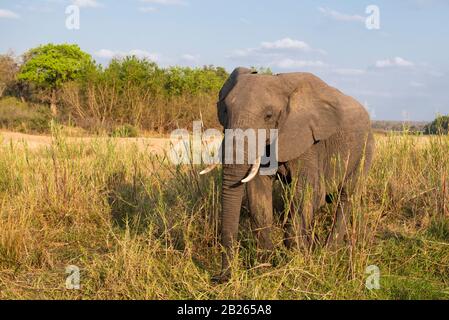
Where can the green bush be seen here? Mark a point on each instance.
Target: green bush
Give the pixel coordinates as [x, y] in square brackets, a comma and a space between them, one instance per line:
[19, 116]
[125, 131]
[193, 81]
[439, 126]
[141, 93]
[129, 90]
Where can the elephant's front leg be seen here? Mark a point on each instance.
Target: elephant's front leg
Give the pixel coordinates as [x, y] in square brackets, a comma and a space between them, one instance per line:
[260, 199]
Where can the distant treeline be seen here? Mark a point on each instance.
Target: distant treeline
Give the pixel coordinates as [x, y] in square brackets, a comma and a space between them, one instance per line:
[138, 92]
[438, 126]
[129, 94]
[129, 91]
[413, 126]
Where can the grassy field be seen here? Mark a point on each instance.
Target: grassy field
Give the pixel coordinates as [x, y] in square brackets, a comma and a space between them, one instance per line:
[139, 228]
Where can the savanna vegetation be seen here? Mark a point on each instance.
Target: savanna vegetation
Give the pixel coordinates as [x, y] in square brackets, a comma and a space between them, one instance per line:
[127, 92]
[383, 126]
[439, 126]
[140, 228]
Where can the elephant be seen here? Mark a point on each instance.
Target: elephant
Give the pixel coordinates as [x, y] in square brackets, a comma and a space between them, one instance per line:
[324, 145]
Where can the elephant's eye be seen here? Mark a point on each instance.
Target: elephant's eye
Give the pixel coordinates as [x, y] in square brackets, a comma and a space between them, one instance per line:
[268, 115]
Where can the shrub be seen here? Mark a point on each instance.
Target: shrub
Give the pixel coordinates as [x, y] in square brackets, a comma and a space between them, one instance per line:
[19, 116]
[8, 71]
[125, 131]
[193, 81]
[439, 126]
[140, 93]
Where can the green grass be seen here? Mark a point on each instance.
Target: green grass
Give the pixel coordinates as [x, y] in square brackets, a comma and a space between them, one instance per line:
[139, 228]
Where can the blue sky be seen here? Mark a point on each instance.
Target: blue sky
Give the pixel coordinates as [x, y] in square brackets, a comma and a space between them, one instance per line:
[400, 71]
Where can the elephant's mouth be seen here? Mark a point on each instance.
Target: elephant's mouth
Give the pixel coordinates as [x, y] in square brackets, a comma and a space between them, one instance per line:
[251, 175]
[255, 167]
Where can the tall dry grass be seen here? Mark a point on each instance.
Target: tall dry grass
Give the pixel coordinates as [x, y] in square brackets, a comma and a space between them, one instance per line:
[139, 228]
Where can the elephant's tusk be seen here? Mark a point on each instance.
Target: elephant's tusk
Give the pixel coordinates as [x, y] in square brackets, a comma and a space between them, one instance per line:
[208, 169]
[253, 172]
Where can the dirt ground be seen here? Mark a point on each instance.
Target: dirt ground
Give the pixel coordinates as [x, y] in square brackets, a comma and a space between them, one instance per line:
[34, 142]
[156, 146]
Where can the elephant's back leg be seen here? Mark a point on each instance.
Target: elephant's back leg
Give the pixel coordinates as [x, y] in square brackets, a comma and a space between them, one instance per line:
[348, 187]
[306, 197]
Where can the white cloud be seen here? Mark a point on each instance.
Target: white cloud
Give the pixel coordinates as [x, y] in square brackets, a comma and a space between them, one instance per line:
[8, 14]
[289, 44]
[285, 53]
[144, 54]
[105, 53]
[278, 47]
[292, 63]
[341, 16]
[286, 43]
[109, 54]
[87, 3]
[190, 57]
[394, 62]
[166, 2]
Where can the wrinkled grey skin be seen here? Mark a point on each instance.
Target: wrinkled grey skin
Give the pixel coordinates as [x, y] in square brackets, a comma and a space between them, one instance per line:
[316, 124]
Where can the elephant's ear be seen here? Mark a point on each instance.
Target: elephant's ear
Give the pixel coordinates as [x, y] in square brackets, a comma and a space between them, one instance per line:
[227, 87]
[314, 113]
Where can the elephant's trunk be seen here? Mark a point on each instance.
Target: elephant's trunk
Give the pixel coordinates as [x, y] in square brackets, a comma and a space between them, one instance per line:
[234, 177]
[232, 196]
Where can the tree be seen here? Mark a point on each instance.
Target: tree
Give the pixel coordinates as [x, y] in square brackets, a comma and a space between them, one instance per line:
[8, 71]
[194, 81]
[262, 70]
[439, 126]
[50, 66]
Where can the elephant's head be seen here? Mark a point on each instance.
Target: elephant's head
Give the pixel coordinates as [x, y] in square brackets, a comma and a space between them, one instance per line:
[302, 107]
